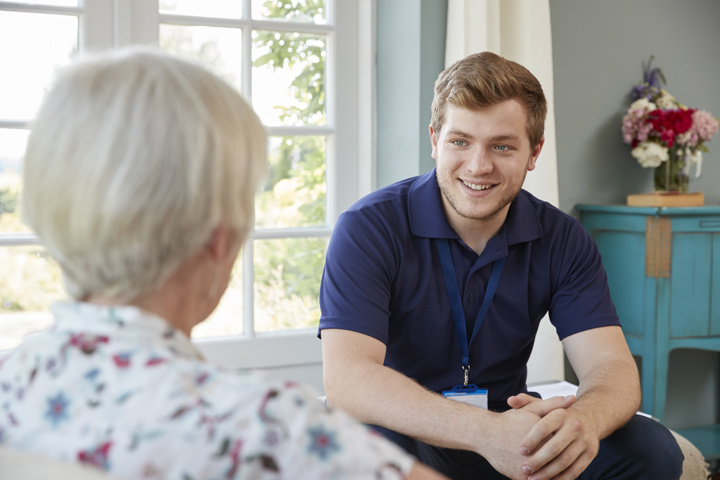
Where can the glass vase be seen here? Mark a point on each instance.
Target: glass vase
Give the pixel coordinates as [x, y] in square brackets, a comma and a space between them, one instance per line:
[672, 175]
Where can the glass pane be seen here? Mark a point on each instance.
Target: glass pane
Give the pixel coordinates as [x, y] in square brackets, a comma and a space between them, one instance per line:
[294, 195]
[227, 319]
[289, 78]
[203, 8]
[305, 11]
[12, 150]
[47, 41]
[29, 282]
[57, 3]
[217, 48]
[287, 283]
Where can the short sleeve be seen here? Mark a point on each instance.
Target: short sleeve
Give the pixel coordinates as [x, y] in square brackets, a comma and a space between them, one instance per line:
[359, 270]
[581, 300]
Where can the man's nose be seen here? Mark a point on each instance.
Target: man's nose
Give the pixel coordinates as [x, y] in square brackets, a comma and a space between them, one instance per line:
[480, 162]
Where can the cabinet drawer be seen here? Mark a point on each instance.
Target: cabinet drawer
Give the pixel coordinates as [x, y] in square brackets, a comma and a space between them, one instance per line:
[695, 285]
[695, 224]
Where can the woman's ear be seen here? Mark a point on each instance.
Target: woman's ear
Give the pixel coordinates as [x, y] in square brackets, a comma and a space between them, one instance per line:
[219, 244]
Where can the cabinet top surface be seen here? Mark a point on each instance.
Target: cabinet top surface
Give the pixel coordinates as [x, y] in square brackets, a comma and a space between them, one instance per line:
[624, 209]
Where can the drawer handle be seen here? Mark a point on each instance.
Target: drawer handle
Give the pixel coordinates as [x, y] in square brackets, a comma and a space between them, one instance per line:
[709, 223]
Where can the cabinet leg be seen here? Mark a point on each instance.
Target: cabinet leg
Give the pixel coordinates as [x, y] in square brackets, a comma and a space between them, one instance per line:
[662, 361]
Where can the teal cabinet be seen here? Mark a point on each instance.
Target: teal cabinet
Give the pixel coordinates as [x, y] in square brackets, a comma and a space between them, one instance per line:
[663, 267]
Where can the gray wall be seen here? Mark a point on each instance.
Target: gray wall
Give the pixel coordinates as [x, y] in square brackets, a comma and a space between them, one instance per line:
[410, 55]
[598, 50]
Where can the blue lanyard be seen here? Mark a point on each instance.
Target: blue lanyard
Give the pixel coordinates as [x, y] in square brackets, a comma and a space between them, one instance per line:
[456, 304]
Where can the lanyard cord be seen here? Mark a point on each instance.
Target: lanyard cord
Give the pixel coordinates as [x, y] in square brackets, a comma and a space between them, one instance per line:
[456, 304]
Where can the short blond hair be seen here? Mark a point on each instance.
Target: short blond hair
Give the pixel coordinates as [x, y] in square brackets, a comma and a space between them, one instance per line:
[484, 79]
[134, 158]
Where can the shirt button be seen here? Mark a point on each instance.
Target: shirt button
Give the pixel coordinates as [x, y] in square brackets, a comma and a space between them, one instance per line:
[471, 298]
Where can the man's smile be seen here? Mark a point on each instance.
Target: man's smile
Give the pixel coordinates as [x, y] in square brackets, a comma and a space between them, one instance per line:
[475, 186]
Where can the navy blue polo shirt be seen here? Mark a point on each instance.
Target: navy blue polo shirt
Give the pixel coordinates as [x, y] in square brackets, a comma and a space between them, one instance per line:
[383, 278]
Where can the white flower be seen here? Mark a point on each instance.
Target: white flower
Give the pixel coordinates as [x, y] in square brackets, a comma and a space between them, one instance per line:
[643, 104]
[650, 154]
[666, 100]
[696, 158]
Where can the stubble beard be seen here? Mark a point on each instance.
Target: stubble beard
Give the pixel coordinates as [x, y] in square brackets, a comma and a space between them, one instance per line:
[446, 192]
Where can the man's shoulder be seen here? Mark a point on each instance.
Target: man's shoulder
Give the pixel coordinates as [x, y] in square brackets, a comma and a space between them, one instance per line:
[393, 195]
[546, 211]
[549, 217]
[536, 220]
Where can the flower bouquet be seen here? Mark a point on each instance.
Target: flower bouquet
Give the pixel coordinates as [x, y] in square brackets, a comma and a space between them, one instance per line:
[664, 134]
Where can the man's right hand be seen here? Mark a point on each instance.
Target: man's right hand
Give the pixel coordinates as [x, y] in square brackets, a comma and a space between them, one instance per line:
[511, 427]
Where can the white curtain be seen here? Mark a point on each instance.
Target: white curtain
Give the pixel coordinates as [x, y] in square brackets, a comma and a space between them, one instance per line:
[518, 30]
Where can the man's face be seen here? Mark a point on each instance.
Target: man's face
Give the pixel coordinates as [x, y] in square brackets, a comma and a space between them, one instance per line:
[482, 157]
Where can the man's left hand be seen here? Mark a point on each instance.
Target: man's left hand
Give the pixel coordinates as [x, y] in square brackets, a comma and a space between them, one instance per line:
[560, 446]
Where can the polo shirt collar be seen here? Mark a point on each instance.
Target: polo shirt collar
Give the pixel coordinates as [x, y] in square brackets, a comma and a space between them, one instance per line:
[427, 216]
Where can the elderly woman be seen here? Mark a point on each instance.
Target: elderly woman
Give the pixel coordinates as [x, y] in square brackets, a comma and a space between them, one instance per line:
[139, 179]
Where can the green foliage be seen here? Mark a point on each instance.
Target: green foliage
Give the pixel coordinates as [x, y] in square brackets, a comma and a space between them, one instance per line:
[31, 279]
[296, 190]
[8, 200]
[295, 193]
[288, 50]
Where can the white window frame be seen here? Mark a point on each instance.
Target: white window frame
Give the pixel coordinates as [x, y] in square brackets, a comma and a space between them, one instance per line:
[350, 150]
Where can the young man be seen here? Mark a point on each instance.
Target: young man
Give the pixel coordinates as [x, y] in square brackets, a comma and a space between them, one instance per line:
[440, 281]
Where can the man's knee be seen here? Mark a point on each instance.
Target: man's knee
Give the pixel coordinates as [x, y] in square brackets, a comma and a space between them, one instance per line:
[643, 449]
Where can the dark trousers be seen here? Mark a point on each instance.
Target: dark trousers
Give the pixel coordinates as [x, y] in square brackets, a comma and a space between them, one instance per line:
[642, 449]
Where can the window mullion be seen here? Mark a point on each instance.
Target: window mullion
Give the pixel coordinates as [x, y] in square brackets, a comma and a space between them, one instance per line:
[248, 288]
[97, 26]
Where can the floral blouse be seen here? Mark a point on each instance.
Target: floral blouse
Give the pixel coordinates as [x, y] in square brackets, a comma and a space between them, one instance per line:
[120, 389]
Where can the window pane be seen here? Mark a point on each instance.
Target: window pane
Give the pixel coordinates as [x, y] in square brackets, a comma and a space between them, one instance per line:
[305, 11]
[48, 41]
[217, 48]
[203, 8]
[227, 319]
[57, 3]
[289, 78]
[12, 149]
[294, 195]
[29, 282]
[287, 283]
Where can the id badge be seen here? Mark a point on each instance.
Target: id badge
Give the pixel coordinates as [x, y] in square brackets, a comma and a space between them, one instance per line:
[470, 394]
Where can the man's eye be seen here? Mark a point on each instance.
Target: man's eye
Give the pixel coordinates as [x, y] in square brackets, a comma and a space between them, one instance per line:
[459, 143]
[502, 148]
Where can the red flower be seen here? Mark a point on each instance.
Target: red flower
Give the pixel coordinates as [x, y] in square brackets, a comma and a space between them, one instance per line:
[97, 456]
[87, 343]
[669, 123]
[122, 360]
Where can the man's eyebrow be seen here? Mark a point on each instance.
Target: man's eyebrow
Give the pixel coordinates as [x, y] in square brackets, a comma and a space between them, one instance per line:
[505, 137]
[460, 133]
[496, 138]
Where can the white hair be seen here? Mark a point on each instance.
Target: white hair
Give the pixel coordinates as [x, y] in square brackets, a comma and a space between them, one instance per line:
[134, 158]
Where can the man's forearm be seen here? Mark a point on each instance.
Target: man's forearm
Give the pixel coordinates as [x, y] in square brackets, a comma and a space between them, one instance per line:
[609, 396]
[378, 395]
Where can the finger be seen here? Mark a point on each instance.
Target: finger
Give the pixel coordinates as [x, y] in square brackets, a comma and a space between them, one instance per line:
[551, 457]
[519, 401]
[539, 435]
[566, 466]
[544, 407]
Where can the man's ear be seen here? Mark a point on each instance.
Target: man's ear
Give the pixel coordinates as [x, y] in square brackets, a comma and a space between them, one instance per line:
[433, 141]
[535, 154]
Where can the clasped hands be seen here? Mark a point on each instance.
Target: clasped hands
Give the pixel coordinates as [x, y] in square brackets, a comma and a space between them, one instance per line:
[543, 439]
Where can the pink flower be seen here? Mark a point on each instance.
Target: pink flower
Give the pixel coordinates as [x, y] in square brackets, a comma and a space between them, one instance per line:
[704, 126]
[635, 128]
